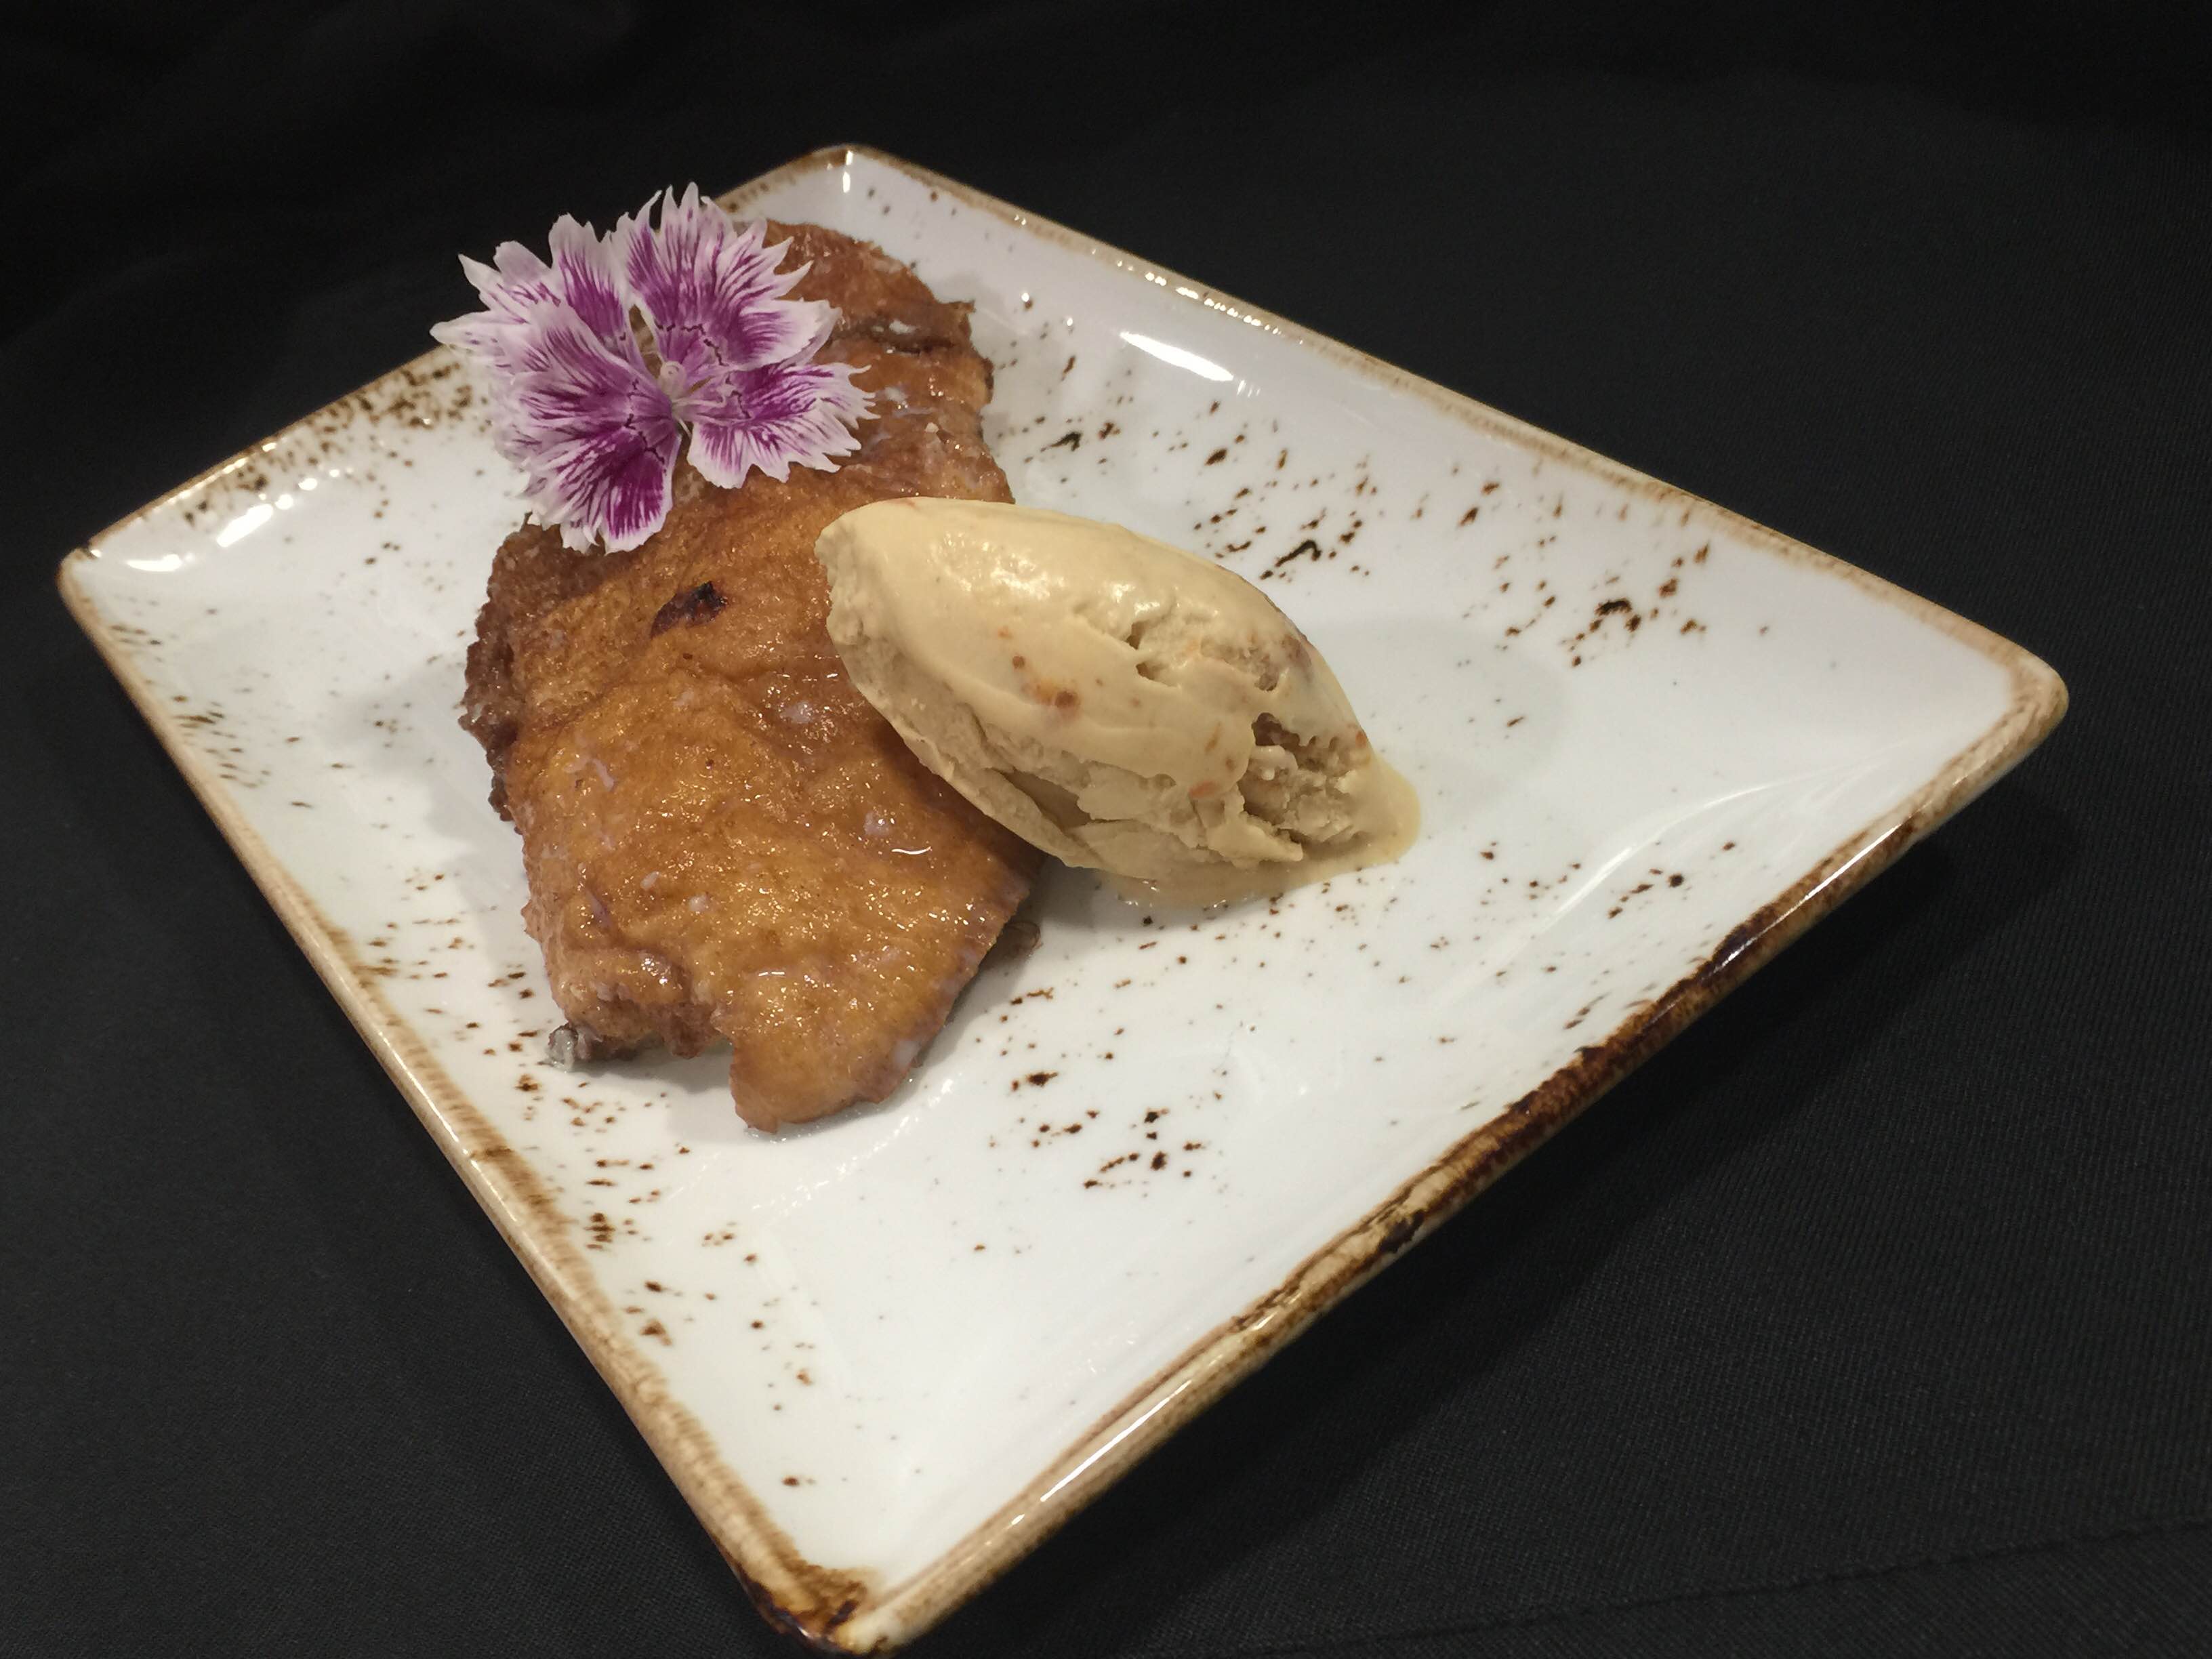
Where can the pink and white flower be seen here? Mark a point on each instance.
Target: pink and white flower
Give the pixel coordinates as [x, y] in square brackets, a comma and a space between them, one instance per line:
[594, 423]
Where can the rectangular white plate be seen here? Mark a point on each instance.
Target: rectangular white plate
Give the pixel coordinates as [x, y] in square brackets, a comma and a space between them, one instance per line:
[884, 1356]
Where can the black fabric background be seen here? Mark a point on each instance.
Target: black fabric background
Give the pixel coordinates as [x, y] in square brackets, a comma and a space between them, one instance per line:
[1873, 1317]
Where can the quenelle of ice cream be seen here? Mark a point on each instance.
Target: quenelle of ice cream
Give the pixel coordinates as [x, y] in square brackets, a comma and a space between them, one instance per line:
[1115, 700]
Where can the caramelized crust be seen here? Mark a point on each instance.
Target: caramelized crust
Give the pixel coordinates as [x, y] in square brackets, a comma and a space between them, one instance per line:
[722, 838]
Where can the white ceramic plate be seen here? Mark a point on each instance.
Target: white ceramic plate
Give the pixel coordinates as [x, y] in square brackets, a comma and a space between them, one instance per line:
[884, 1356]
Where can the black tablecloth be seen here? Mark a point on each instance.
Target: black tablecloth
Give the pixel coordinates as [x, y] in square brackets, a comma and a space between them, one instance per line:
[1874, 1316]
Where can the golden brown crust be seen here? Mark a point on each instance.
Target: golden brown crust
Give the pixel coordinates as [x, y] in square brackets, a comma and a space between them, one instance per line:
[722, 838]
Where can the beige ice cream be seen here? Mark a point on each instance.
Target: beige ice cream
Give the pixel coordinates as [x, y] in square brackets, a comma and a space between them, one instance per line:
[1116, 702]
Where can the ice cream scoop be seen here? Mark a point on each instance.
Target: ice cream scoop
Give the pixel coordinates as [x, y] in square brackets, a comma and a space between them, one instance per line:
[1114, 700]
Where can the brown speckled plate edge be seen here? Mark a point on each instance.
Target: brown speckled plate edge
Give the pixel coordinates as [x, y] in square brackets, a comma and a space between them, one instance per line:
[832, 1608]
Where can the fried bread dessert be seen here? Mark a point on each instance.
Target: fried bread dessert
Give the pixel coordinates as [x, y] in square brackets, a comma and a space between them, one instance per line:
[722, 838]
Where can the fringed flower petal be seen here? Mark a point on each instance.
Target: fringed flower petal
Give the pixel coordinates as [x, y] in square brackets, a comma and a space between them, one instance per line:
[786, 415]
[592, 284]
[595, 434]
[518, 283]
[711, 289]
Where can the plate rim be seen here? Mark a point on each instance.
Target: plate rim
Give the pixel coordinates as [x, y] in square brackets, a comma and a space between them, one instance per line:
[834, 1609]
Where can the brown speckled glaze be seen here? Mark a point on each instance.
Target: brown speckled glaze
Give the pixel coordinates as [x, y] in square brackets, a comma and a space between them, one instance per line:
[1505, 609]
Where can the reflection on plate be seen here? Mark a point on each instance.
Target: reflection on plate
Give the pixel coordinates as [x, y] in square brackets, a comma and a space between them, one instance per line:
[884, 1355]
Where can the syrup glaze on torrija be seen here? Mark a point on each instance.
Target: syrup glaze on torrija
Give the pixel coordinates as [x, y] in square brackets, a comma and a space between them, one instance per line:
[722, 838]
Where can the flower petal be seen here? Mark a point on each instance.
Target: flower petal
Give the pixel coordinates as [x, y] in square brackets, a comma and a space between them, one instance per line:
[490, 334]
[772, 418]
[594, 434]
[583, 276]
[584, 263]
[710, 288]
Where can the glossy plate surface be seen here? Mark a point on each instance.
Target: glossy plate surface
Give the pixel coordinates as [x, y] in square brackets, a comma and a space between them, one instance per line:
[884, 1355]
